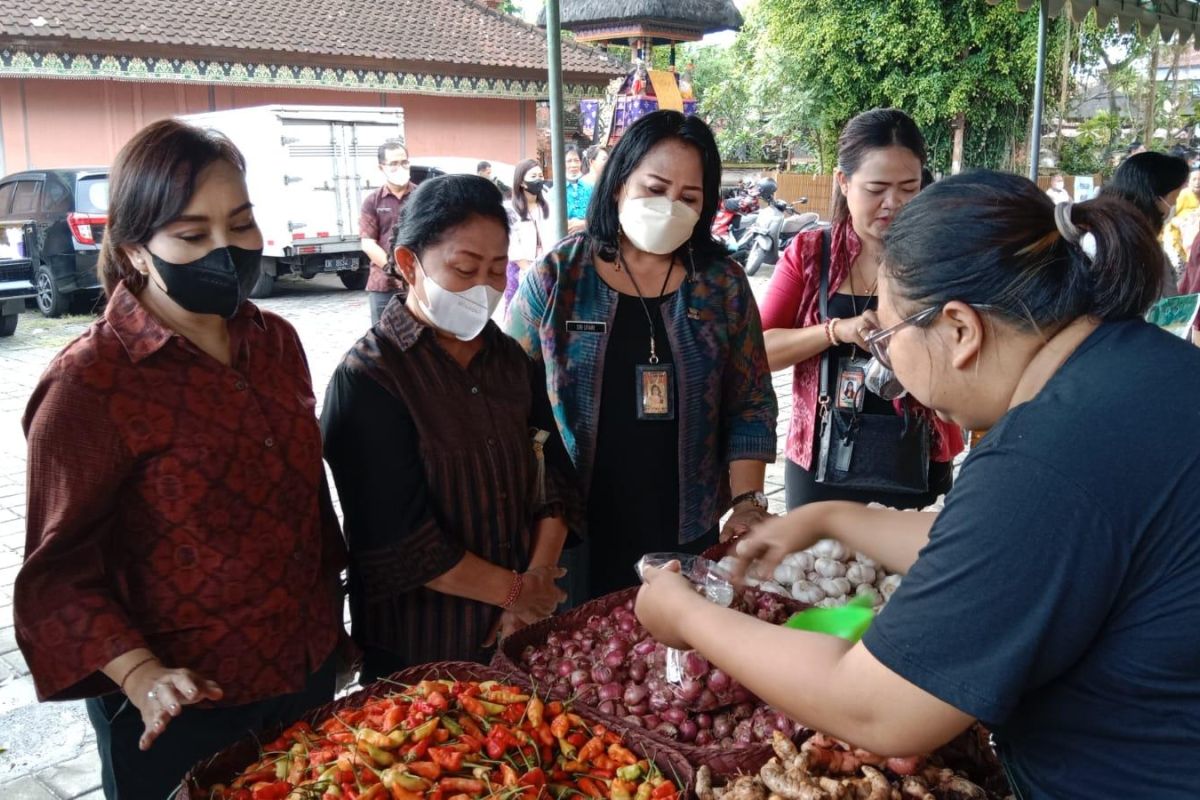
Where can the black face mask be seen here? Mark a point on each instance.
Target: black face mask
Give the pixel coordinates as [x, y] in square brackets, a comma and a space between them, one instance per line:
[215, 284]
[535, 187]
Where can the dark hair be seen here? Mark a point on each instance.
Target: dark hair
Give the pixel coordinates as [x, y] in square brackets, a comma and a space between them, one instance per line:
[1143, 179]
[926, 177]
[520, 204]
[651, 130]
[873, 130]
[152, 181]
[573, 148]
[991, 238]
[482, 165]
[391, 144]
[441, 204]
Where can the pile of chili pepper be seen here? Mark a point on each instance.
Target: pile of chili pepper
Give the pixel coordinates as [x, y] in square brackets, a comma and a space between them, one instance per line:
[450, 740]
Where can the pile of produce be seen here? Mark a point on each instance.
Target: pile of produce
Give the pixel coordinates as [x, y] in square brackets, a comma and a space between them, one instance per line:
[613, 664]
[826, 574]
[450, 740]
[826, 769]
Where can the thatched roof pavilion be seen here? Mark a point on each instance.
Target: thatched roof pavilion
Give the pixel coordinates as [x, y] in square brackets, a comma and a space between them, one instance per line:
[653, 21]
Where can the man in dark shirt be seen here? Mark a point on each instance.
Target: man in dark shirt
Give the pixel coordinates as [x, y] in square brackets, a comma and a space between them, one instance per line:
[380, 211]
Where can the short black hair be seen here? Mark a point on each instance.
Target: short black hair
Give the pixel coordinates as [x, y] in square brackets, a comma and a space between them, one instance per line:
[1143, 179]
[481, 166]
[642, 136]
[441, 204]
[391, 144]
[991, 238]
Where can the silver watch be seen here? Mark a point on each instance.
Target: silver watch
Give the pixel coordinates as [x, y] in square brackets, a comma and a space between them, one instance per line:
[757, 498]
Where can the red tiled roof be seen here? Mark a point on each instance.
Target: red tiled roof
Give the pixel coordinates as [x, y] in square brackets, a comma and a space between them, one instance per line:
[461, 32]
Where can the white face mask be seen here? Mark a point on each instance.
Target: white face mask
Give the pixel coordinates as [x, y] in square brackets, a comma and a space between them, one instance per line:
[657, 224]
[464, 314]
[397, 177]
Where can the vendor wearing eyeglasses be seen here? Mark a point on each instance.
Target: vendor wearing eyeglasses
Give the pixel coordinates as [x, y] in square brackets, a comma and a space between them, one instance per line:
[880, 157]
[376, 223]
[1054, 598]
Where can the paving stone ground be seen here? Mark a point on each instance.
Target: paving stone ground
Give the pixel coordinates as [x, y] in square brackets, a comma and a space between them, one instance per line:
[49, 749]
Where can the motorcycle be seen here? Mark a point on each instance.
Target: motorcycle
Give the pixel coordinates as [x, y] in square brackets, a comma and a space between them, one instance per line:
[772, 229]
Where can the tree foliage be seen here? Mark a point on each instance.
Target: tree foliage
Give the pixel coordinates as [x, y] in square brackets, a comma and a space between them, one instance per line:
[812, 66]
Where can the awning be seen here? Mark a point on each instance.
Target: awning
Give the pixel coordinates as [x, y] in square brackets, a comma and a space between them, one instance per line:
[1170, 17]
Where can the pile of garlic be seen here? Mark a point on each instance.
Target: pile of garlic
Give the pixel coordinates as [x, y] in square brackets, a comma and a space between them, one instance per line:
[825, 575]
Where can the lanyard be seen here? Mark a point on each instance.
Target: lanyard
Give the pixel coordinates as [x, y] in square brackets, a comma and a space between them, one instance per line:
[646, 308]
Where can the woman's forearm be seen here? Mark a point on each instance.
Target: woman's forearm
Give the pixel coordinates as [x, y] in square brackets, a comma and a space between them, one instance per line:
[474, 579]
[549, 536]
[787, 347]
[746, 476]
[893, 538]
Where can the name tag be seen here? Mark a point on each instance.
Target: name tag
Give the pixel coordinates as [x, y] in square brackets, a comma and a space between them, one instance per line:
[583, 326]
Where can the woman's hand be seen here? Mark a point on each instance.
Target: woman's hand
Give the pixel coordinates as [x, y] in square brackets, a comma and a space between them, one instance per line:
[768, 543]
[742, 520]
[663, 603]
[539, 596]
[160, 694]
[856, 329]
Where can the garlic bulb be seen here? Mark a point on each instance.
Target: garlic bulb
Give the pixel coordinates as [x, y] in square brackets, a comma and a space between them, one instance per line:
[802, 561]
[830, 548]
[829, 568]
[807, 592]
[774, 588]
[865, 561]
[787, 573]
[835, 587]
[860, 574]
[889, 585]
[863, 590]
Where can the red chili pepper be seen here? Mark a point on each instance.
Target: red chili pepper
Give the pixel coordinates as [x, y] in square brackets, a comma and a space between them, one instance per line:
[534, 777]
[473, 706]
[561, 726]
[513, 713]
[494, 749]
[578, 739]
[547, 754]
[508, 775]
[400, 793]
[536, 710]
[429, 770]
[438, 701]
[271, 791]
[590, 788]
[621, 754]
[589, 750]
[418, 751]
[393, 718]
[554, 708]
[447, 759]
[663, 790]
[602, 772]
[441, 735]
[545, 735]
[468, 785]
[376, 792]
[474, 744]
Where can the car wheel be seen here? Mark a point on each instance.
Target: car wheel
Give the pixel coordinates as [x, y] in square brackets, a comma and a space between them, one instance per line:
[50, 300]
[354, 281]
[8, 324]
[264, 286]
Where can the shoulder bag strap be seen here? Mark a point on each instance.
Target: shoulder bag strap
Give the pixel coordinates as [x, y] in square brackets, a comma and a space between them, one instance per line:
[823, 304]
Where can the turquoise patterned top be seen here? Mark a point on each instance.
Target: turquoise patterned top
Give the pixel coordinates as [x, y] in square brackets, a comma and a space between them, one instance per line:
[726, 404]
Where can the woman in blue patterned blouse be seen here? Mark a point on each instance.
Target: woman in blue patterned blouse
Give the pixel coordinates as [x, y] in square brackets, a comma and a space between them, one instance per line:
[654, 357]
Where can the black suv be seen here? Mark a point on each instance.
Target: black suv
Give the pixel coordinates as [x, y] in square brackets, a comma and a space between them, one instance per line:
[68, 209]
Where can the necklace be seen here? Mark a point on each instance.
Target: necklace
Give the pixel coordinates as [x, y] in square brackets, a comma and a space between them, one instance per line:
[854, 293]
[654, 383]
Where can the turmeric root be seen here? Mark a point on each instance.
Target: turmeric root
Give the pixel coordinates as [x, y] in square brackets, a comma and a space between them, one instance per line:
[876, 785]
[960, 787]
[746, 787]
[784, 748]
[913, 788]
[790, 785]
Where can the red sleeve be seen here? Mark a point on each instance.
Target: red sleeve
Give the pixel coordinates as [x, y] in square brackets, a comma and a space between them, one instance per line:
[68, 623]
[368, 222]
[789, 284]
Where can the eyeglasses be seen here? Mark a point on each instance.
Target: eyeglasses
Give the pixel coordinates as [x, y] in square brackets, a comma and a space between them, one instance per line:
[393, 164]
[879, 341]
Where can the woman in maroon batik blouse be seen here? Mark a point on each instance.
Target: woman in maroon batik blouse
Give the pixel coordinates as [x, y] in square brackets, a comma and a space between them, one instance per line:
[181, 556]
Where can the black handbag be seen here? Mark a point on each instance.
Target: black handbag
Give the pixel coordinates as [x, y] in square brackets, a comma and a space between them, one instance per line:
[867, 452]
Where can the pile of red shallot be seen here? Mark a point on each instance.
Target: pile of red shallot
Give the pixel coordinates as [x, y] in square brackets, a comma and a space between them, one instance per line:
[612, 663]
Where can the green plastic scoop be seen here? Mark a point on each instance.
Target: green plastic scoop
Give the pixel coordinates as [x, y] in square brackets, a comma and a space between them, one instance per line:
[847, 622]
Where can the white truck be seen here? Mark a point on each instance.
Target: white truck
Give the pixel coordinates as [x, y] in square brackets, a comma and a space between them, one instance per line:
[308, 169]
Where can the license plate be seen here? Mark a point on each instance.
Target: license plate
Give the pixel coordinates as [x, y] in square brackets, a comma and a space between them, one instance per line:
[339, 264]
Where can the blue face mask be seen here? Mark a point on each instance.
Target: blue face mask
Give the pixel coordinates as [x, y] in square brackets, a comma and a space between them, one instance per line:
[217, 284]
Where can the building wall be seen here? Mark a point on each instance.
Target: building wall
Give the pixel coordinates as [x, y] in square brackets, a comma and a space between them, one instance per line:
[53, 123]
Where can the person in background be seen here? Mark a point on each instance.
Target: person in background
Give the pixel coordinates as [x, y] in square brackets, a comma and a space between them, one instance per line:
[1052, 598]
[1182, 228]
[1151, 183]
[579, 192]
[597, 157]
[646, 297]
[456, 513]
[880, 156]
[529, 223]
[380, 212]
[484, 170]
[1057, 192]
[182, 555]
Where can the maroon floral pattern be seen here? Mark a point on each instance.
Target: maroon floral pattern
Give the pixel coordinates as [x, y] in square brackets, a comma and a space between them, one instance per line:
[177, 504]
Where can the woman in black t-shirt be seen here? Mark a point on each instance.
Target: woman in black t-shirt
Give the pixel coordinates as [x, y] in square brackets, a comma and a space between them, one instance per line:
[1051, 599]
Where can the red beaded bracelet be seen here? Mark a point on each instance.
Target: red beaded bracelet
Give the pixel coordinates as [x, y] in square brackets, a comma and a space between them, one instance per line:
[514, 590]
